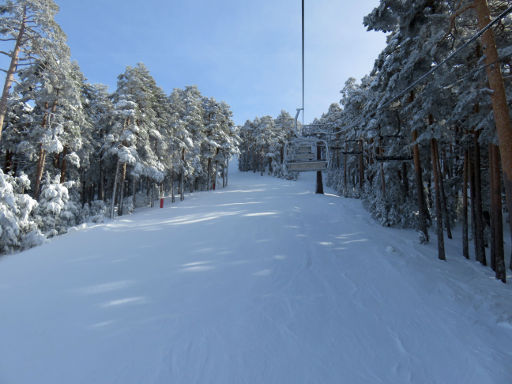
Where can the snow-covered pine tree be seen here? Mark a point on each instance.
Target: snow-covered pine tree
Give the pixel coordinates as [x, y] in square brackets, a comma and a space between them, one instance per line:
[30, 32]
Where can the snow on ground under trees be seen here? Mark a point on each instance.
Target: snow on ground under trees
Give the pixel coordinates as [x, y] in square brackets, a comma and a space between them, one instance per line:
[261, 282]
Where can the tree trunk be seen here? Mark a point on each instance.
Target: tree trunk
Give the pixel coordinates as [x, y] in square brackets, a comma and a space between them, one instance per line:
[227, 172]
[121, 189]
[361, 167]
[499, 102]
[471, 169]
[224, 173]
[215, 174]
[101, 184]
[39, 171]
[422, 206]
[134, 191]
[380, 151]
[8, 161]
[479, 222]
[444, 202]
[114, 190]
[173, 197]
[13, 65]
[63, 165]
[182, 186]
[405, 179]
[439, 216]
[465, 237]
[345, 168]
[42, 153]
[208, 181]
[497, 250]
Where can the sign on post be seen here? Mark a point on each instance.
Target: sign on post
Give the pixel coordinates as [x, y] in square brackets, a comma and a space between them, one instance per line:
[304, 157]
[306, 166]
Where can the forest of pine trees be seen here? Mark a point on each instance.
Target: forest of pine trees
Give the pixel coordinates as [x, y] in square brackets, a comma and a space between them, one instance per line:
[430, 157]
[73, 152]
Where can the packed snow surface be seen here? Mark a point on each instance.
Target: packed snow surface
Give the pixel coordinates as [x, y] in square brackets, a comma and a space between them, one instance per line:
[261, 282]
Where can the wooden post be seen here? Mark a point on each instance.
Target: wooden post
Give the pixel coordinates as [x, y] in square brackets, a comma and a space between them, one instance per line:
[319, 182]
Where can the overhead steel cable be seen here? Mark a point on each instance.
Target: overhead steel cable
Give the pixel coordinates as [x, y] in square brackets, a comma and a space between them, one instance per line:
[472, 73]
[302, 62]
[437, 66]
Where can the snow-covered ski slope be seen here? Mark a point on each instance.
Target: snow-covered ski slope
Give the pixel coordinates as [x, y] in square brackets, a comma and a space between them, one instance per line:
[262, 282]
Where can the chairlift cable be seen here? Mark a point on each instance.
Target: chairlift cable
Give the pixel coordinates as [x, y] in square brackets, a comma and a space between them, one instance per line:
[437, 66]
[302, 62]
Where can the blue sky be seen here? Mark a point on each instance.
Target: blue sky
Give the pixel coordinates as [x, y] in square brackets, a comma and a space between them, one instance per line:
[247, 53]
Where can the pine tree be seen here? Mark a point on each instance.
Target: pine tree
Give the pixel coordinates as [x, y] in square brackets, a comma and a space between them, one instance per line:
[30, 28]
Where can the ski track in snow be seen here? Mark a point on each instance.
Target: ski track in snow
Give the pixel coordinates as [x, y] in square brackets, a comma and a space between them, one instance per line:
[261, 282]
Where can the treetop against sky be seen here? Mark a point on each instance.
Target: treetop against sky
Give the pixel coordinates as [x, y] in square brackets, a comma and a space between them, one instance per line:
[243, 52]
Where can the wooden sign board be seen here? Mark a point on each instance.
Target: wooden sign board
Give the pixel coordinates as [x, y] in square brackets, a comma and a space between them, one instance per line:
[306, 166]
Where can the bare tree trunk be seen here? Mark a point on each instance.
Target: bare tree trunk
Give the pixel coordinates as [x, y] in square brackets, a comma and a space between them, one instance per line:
[39, 171]
[13, 65]
[405, 179]
[121, 189]
[63, 165]
[224, 173]
[182, 186]
[361, 167]
[479, 222]
[215, 175]
[8, 161]
[345, 168]
[101, 184]
[471, 169]
[439, 215]
[114, 190]
[209, 175]
[83, 193]
[42, 152]
[499, 102]
[444, 202]
[182, 176]
[497, 248]
[422, 207]
[465, 237]
[227, 172]
[173, 197]
[134, 191]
